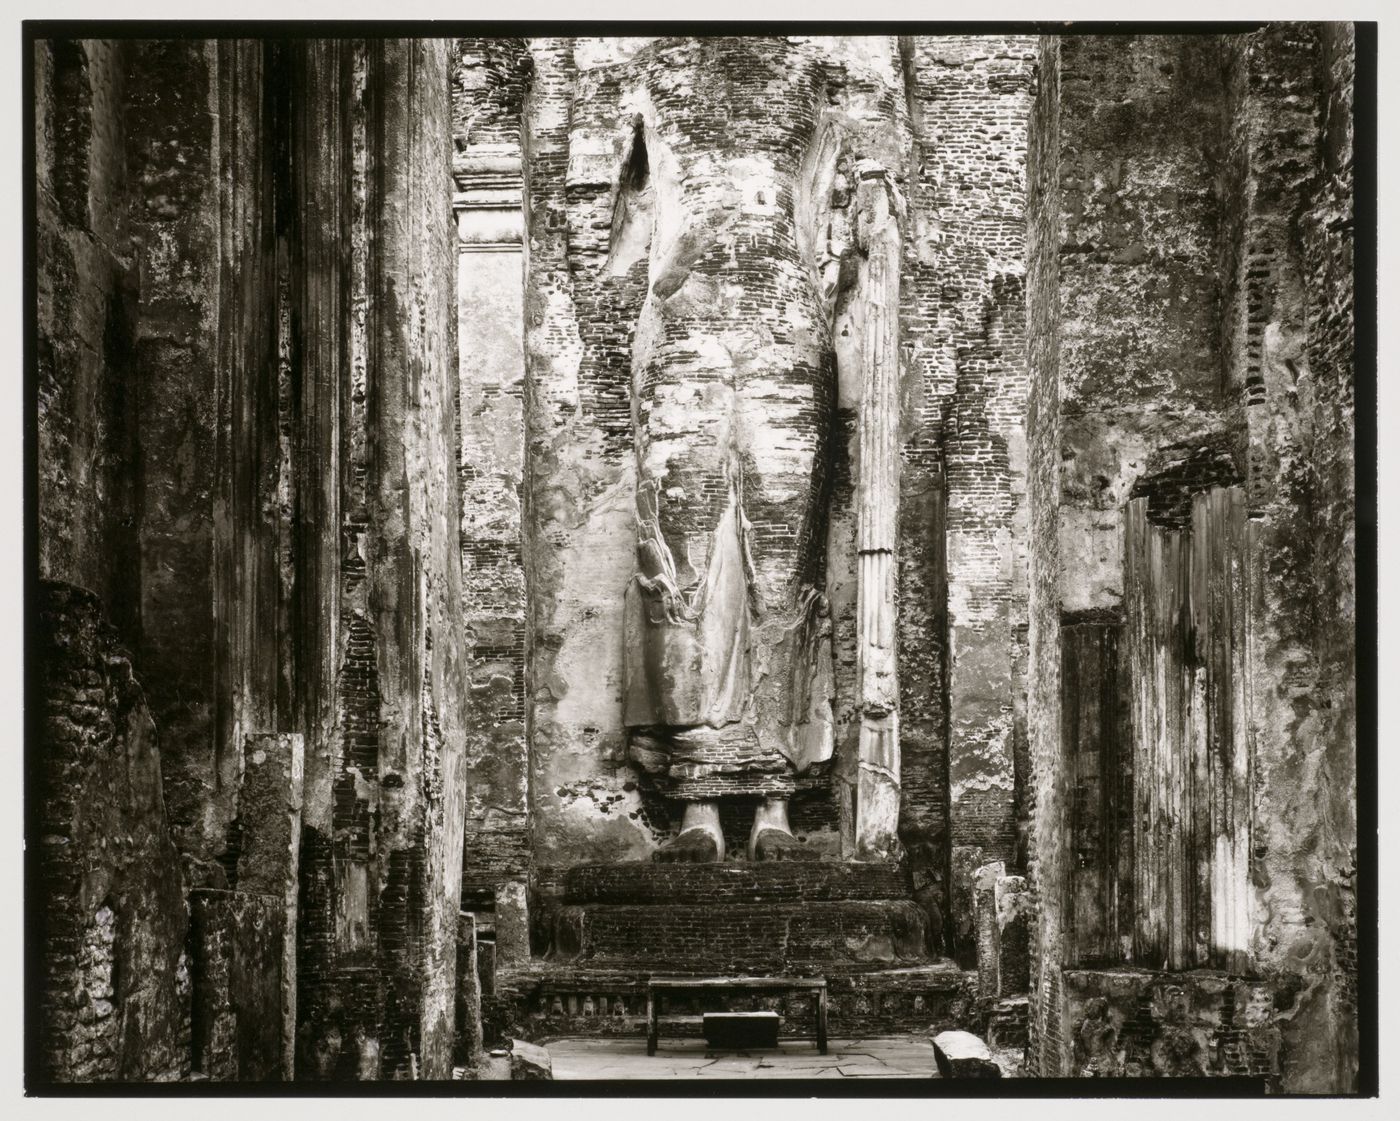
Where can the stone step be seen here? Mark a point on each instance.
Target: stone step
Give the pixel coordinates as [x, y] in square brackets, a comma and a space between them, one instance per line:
[642, 882]
[726, 937]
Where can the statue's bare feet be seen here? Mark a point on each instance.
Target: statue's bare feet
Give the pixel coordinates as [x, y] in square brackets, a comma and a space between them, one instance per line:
[700, 842]
[694, 846]
[776, 844]
[771, 837]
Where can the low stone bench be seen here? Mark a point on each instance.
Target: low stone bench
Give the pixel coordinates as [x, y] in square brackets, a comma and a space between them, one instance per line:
[658, 985]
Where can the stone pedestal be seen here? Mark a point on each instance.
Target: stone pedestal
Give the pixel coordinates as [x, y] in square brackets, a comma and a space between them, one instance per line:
[615, 925]
[724, 918]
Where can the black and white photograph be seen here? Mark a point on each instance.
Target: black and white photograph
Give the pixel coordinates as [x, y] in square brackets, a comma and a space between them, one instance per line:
[698, 557]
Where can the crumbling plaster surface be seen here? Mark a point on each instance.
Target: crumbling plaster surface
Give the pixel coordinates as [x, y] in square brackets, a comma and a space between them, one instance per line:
[1160, 361]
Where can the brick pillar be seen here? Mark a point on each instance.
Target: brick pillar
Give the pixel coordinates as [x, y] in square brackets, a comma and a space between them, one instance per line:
[269, 817]
[488, 87]
[966, 334]
[985, 910]
[385, 790]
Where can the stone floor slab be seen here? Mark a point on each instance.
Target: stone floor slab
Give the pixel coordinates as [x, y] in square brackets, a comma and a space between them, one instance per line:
[626, 1058]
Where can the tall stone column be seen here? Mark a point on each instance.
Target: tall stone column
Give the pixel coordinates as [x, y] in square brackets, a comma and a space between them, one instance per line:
[877, 499]
[385, 798]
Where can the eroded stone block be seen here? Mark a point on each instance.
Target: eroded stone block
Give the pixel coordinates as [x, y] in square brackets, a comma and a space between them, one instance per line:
[960, 1054]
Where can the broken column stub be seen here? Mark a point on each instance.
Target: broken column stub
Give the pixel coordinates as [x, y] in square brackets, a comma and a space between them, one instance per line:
[1003, 912]
[269, 818]
[985, 916]
[512, 924]
[467, 1051]
[1015, 911]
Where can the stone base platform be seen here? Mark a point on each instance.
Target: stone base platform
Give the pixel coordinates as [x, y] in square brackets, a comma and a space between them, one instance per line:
[726, 937]
[646, 882]
[736, 917]
[607, 928]
[548, 1000]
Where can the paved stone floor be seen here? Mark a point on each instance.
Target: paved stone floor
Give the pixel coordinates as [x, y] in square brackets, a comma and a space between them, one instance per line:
[905, 1056]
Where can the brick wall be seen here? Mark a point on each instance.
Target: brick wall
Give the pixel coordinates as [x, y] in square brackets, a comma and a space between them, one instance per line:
[964, 336]
[108, 891]
[1131, 1023]
[489, 79]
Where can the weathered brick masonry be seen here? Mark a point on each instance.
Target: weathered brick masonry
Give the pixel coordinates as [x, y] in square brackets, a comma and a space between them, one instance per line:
[963, 330]
[333, 776]
[1172, 410]
[489, 79]
[247, 337]
[113, 976]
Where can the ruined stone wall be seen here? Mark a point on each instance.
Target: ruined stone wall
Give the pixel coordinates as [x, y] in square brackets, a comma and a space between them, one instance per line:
[107, 887]
[1193, 173]
[1135, 1023]
[311, 499]
[1288, 353]
[247, 336]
